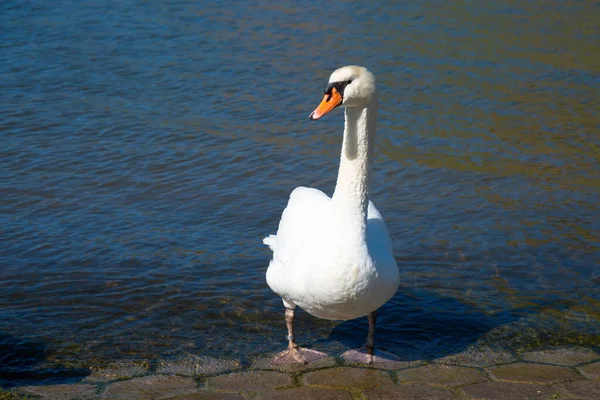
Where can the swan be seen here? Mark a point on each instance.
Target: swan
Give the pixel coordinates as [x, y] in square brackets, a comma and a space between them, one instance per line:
[332, 256]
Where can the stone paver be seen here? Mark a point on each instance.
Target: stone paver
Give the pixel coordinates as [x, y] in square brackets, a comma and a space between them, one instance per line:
[392, 362]
[591, 371]
[391, 365]
[409, 392]
[569, 357]
[483, 357]
[53, 392]
[150, 387]
[306, 393]
[441, 375]
[265, 363]
[574, 373]
[249, 381]
[208, 396]
[588, 390]
[347, 378]
[192, 365]
[508, 391]
[533, 373]
[117, 371]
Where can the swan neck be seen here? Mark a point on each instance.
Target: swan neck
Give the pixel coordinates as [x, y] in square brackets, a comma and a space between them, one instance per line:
[351, 193]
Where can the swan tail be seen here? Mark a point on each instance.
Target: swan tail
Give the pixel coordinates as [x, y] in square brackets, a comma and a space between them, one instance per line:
[270, 241]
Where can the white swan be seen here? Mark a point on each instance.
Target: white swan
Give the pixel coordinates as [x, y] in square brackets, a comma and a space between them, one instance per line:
[333, 256]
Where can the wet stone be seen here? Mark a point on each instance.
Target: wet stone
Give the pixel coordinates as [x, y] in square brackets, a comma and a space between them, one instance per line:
[390, 365]
[207, 396]
[307, 393]
[533, 373]
[563, 356]
[508, 391]
[441, 375]
[192, 365]
[409, 392]
[591, 371]
[249, 381]
[117, 371]
[76, 391]
[151, 387]
[581, 389]
[478, 358]
[347, 378]
[265, 363]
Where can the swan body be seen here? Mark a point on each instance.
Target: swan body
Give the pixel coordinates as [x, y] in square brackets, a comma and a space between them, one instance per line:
[332, 256]
[320, 266]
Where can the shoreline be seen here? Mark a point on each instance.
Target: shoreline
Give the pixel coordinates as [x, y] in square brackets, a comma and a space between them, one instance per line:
[553, 373]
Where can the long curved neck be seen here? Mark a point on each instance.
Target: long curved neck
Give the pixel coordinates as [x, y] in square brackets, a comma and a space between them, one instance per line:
[351, 195]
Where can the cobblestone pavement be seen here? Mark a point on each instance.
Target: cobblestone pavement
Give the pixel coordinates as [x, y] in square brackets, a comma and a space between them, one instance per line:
[559, 373]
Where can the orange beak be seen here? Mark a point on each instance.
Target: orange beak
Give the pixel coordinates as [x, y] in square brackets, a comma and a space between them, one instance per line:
[329, 102]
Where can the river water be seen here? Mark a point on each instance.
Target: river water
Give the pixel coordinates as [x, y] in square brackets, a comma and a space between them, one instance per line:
[149, 146]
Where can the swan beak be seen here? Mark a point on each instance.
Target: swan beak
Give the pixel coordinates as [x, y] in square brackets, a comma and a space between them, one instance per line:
[329, 102]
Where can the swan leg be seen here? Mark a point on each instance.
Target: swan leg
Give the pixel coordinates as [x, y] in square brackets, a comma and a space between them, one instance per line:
[294, 353]
[371, 336]
[368, 354]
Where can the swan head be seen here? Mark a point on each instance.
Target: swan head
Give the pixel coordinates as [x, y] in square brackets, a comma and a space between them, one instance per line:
[350, 86]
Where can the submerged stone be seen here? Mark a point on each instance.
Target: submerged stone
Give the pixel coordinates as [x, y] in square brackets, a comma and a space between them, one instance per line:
[389, 365]
[473, 357]
[562, 356]
[266, 364]
[191, 365]
[118, 371]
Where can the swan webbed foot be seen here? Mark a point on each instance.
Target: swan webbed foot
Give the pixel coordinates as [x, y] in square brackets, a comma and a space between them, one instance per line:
[368, 356]
[297, 355]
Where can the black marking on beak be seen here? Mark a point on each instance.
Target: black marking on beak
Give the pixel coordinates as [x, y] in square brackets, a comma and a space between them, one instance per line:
[339, 86]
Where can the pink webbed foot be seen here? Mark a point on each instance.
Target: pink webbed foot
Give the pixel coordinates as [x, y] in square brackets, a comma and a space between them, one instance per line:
[363, 356]
[297, 355]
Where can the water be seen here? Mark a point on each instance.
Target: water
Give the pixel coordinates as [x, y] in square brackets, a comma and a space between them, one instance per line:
[149, 146]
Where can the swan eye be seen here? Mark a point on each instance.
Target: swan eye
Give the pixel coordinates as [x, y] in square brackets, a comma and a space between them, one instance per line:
[339, 86]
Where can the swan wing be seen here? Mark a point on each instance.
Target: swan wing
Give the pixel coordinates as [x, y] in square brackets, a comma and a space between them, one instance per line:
[299, 241]
[378, 238]
[381, 251]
